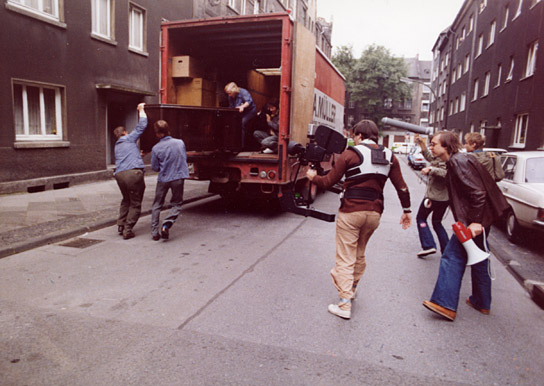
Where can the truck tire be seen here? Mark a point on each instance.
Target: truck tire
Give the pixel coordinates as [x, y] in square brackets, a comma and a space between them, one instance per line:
[513, 229]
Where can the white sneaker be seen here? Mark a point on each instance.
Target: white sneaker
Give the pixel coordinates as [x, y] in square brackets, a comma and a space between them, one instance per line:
[268, 151]
[426, 252]
[335, 310]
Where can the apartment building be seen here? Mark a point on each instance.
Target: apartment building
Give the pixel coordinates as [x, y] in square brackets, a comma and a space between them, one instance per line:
[74, 70]
[486, 75]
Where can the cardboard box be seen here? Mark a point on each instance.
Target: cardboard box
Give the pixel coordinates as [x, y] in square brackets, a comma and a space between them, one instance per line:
[196, 92]
[185, 67]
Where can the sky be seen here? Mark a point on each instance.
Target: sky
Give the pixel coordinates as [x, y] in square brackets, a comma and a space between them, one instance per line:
[405, 27]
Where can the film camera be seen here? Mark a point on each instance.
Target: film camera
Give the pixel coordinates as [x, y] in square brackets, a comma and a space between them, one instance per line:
[322, 144]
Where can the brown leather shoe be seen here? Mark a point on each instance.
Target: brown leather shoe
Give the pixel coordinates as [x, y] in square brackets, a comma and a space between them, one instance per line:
[482, 310]
[128, 235]
[448, 314]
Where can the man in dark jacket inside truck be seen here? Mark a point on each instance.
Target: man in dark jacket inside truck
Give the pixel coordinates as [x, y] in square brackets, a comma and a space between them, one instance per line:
[268, 131]
[476, 201]
[367, 166]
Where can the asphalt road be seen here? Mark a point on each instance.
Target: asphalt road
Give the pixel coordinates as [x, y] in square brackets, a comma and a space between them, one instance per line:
[238, 296]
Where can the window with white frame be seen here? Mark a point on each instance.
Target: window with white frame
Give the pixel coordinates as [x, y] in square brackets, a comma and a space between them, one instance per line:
[483, 124]
[442, 112]
[510, 75]
[531, 59]
[425, 106]
[499, 75]
[487, 81]
[505, 16]
[534, 2]
[454, 75]
[463, 101]
[459, 71]
[518, 11]
[480, 45]
[520, 130]
[492, 29]
[483, 4]
[470, 23]
[47, 8]
[451, 108]
[137, 28]
[102, 18]
[475, 90]
[38, 111]
[466, 64]
[456, 107]
[256, 7]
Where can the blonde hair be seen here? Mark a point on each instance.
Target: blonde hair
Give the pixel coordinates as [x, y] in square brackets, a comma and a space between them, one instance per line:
[232, 87]
[476, 138]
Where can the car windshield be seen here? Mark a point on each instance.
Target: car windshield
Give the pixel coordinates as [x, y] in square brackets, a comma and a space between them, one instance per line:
[534, 173]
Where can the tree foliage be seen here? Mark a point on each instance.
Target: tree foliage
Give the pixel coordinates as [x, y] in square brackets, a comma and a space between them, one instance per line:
[373, 80]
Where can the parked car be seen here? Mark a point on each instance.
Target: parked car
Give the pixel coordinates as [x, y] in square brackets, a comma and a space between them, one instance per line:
[416, 159]
[523, 187]
[401, 147]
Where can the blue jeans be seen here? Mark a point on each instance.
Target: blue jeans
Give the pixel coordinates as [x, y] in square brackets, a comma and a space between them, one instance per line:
[160, 194]
[450, 275]
[438, 208]
[247, 116]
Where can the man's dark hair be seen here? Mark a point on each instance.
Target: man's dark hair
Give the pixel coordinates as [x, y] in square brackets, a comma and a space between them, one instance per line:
[119, 131]
[161, 127]
[449, 140]
[367, 129]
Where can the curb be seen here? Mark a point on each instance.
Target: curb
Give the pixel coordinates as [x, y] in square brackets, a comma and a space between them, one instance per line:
[55, 237]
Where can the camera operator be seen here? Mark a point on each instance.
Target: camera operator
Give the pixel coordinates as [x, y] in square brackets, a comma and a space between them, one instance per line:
[366, 167]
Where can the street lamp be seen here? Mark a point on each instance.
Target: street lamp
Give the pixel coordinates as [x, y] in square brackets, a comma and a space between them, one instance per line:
[408, 80]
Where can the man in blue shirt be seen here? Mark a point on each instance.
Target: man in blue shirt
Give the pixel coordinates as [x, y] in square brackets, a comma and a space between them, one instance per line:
[169, 158]
[129, 174]
[241, 99]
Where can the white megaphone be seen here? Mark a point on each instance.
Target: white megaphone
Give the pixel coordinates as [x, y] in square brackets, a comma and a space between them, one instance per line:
[475, 254]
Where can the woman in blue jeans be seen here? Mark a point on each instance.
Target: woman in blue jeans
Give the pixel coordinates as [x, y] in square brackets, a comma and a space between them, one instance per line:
[435, 202]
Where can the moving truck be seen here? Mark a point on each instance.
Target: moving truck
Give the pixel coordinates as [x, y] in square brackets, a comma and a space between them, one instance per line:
[272, 57]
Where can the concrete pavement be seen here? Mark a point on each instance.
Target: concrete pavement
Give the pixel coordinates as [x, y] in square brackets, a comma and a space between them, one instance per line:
[29, 220]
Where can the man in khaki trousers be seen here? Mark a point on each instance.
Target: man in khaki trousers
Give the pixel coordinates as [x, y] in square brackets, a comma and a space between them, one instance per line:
[366, 167]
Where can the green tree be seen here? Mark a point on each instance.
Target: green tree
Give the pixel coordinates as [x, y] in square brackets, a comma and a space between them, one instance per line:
[373, 80]
[343, 60]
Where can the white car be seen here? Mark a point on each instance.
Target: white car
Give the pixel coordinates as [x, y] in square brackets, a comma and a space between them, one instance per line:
[523, 187]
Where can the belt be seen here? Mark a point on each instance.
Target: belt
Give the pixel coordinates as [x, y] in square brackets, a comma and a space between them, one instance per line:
[368, 194]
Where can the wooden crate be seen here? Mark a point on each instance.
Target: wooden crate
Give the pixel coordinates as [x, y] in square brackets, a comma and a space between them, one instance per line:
[196, 92]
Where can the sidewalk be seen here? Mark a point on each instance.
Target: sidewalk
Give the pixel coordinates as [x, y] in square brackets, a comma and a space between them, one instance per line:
[29, 220]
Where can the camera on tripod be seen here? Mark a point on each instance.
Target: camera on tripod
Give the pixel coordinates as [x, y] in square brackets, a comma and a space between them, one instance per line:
[323, 143]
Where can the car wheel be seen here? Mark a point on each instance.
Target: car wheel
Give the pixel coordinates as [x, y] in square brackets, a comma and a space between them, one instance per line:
[512, 227]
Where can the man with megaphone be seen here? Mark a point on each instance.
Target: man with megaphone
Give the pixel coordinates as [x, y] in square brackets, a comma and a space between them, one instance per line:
[476, 202]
